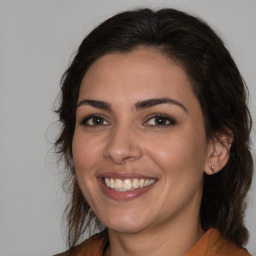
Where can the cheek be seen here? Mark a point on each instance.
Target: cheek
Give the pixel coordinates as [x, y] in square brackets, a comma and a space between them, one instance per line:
[85, 157]
[85, 152]
[179, 153]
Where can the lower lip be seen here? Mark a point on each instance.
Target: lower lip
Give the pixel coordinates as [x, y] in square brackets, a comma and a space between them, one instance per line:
[123, 195]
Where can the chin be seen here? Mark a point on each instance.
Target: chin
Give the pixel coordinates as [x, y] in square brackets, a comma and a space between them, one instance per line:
[126, 224]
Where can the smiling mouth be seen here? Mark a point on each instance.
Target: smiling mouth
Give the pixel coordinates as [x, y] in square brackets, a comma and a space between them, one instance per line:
[124, 185]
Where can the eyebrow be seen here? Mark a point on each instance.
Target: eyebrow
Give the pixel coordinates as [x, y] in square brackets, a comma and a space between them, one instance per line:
[138, 106]
[96, 104]
[153, 102]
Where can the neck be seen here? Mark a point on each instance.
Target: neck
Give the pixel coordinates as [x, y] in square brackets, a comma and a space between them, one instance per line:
[165, 240]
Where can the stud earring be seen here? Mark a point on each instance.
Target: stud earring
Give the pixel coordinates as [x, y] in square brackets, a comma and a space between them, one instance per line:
[212, 169]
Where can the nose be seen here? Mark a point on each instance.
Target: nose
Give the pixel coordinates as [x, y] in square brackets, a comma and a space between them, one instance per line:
[122, 146]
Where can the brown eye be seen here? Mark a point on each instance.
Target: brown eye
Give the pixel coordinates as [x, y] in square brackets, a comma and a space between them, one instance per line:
[94, 120]
[160, 120]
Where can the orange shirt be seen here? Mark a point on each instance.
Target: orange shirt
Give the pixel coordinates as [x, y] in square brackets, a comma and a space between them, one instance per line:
[213, 244]
[210, 244]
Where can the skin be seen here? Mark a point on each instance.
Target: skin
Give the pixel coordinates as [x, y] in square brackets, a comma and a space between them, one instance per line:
[128, 140]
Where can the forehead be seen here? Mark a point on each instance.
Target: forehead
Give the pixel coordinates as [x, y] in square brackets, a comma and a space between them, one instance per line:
[143, 72]
[144, 60]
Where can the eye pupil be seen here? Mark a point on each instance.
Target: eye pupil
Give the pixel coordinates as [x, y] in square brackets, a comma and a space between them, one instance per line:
[97, 121]
[160, 121]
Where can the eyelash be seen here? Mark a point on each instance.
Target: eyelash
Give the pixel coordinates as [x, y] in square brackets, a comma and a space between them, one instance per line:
[167, 120]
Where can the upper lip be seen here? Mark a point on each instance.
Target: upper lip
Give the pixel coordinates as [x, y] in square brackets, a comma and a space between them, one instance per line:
[116, 175]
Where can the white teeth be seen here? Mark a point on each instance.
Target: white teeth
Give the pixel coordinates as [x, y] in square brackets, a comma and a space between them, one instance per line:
[127, 184]
[151, 182]
[107, 182]
[136, 183]
[119, 184]
[112, 183]
[141, 183]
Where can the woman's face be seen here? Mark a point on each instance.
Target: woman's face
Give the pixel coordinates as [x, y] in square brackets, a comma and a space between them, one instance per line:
[139, 145]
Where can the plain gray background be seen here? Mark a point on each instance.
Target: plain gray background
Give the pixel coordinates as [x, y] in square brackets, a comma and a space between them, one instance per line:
[37, 40]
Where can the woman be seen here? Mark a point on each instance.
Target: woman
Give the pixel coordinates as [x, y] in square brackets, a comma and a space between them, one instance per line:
[155, 138]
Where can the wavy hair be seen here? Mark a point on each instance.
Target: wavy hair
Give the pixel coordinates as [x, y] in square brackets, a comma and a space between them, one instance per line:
[217, 84]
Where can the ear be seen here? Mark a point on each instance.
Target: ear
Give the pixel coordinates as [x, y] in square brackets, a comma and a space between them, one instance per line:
[218, 153]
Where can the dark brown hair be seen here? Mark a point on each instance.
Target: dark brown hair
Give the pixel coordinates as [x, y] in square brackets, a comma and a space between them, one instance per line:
[217, 84]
